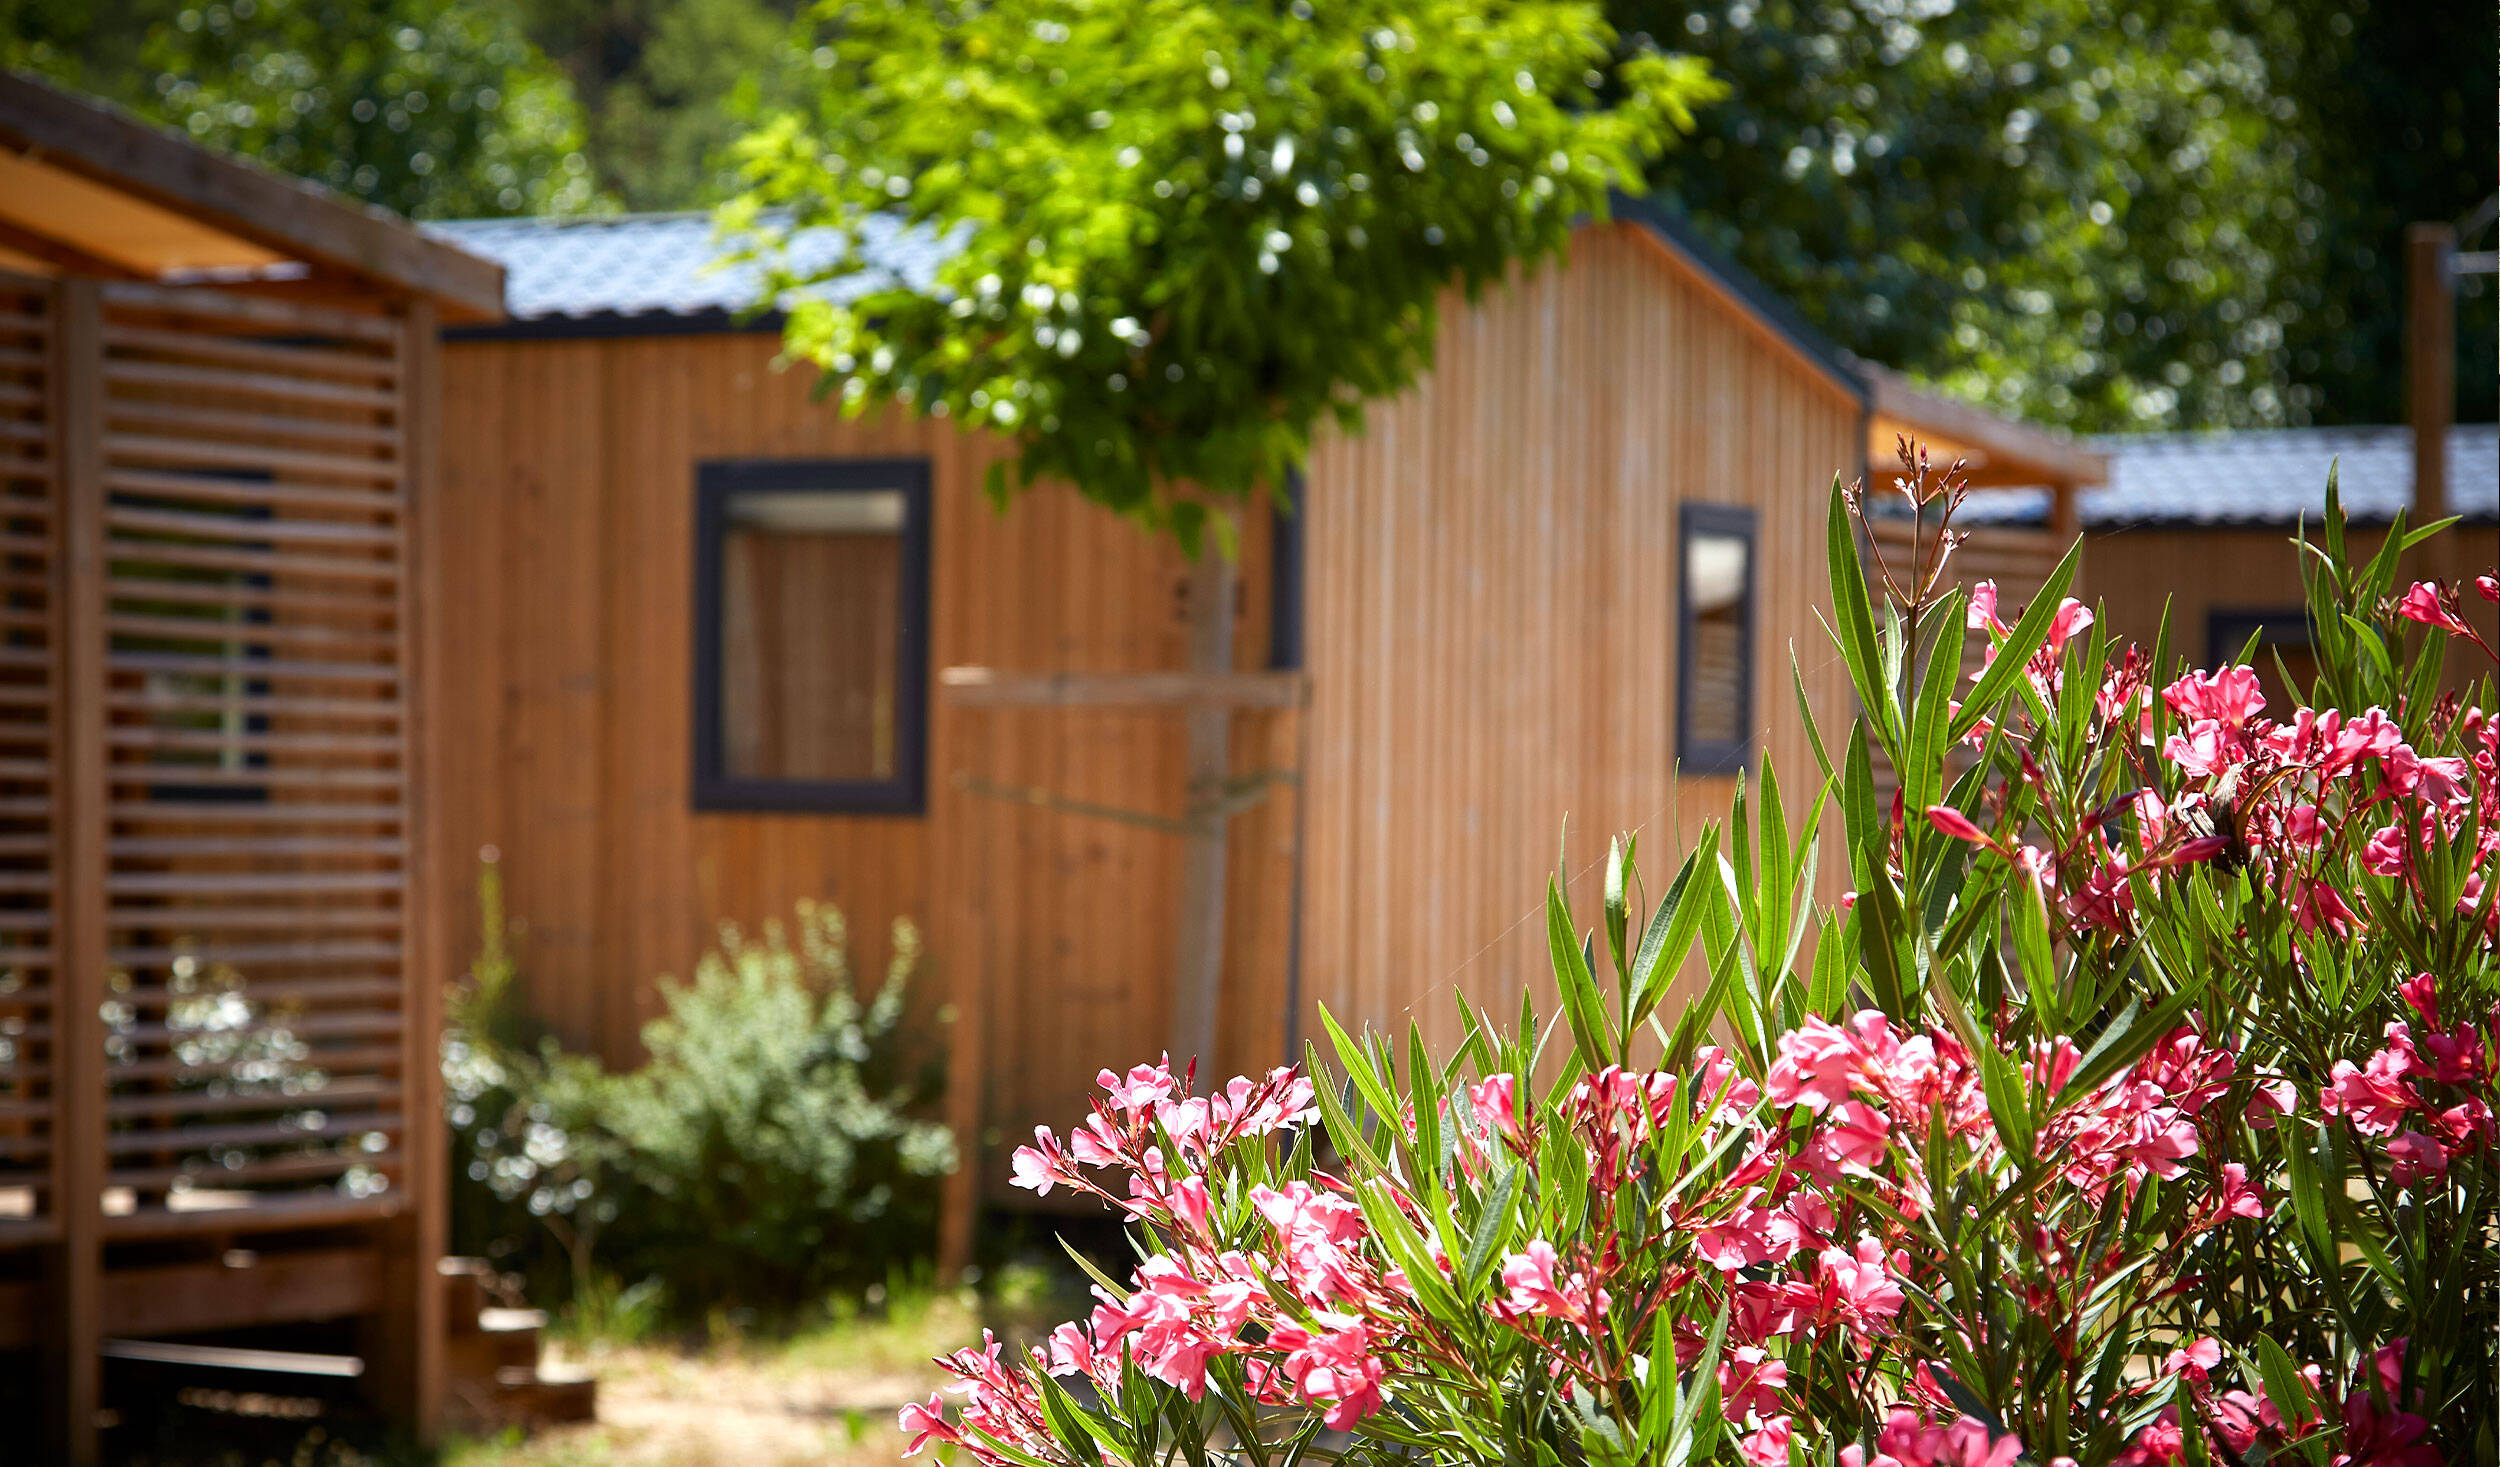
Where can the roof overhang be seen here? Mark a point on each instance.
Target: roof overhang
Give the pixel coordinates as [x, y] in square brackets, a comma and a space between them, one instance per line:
[1999, 452]
[86, 189]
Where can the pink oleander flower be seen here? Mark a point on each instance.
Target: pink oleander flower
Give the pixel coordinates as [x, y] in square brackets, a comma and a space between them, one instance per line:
[1767, 1447]
[2426, 604]
[1037, 1166]
[1860, 1286]
[1958, 825]
[2230, 698]
[1535, 1289]
[925, 1423]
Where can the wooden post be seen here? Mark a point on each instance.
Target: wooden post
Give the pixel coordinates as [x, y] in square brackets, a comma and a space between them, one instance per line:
[79, 833]
[2065, 519]
[967, 976]
[1198, 966]
[2430, 362]
[407, 1338]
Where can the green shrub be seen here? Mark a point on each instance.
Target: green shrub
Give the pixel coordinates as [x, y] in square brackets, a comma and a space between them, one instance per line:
[771, 1142]
[775, 1145]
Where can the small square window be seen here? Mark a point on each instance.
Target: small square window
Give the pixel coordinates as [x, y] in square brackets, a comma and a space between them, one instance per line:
[811, 635]
[1714, 639]
[2283, 645]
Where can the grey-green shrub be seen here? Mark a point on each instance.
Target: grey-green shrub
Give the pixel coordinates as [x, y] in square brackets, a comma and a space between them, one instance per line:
[776, 1145]
[776, 1142]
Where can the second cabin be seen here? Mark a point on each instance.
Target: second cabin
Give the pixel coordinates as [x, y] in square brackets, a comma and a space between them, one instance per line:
[711, 648]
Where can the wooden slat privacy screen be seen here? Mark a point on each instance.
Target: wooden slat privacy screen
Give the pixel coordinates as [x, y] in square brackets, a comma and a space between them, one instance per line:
[28, 520]
[235, 511]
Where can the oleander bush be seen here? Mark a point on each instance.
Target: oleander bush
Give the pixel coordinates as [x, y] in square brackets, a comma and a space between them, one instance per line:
[2134, 1106]
[777, 1144]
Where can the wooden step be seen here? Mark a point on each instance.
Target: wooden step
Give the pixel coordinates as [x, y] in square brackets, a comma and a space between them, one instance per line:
[547, 1397]
[500, 1340]
[466, 1291]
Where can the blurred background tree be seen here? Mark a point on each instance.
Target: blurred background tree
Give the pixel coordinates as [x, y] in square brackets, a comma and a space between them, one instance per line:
[429, 107]
[2105, 213]
[2110, 214]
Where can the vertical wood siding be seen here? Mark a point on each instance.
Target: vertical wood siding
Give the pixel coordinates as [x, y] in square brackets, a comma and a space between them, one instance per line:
[1492, 616]
[568, 479]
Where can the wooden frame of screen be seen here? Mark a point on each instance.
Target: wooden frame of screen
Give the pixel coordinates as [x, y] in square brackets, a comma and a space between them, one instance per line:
[905, 792]
[1702, 756]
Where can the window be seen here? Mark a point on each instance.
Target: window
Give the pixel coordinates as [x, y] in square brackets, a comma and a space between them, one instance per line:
[1714, 640]
[811, 635]
[2282, 645]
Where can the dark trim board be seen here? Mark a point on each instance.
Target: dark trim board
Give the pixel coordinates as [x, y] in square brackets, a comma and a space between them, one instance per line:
[906, 792]
[1699, 756]
[1285, 561]
[607, 325]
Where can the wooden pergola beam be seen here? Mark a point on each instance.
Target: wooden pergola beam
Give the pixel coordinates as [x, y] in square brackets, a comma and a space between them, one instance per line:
[2014, 451]
[62, 255]
[286, 215]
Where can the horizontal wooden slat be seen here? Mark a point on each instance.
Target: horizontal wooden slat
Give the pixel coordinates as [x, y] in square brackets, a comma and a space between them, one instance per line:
[209, 776]
[123, 554]
[292, 316]
[310, 361]
[372, 710]
[119, 373]
[251, 491]
[266, 990]
[326, 1061]
[149, 846]
[361, 1088]
[271, 1169]
[255, 425]
[256, 598]
[246, 954]
[257, 668]
[255, 1133]
[309, 1025]
[224, 882]
[127, 736]
[252, 633]
[263, 1215]
[250, 919]
[230, 812]
[158, 449]
[249, 531]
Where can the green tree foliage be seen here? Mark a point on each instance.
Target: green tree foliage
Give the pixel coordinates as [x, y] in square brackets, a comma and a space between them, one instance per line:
[436, 108]
[2105, 213]
[667, 85]
[1184, 232]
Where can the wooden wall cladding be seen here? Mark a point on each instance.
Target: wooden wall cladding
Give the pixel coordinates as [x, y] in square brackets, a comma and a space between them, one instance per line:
[569, 481]
[1492, 614]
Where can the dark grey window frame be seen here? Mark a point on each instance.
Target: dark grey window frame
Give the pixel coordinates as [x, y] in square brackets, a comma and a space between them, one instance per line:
[2228, 628]
[905, 792]
[1718, 521]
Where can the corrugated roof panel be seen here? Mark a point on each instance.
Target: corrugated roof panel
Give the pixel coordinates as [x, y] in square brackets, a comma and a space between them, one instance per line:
[659, 265]
[2261, 477]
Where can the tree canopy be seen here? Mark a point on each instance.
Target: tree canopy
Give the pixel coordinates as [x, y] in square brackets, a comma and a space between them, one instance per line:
[1180, 234]
[431, 107]
[2102, 213]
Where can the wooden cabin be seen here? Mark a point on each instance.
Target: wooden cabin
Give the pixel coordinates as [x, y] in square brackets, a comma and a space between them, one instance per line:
[2201, 525]
[711, 649]
[218, 967]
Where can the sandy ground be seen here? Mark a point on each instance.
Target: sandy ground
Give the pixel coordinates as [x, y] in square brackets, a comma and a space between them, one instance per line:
[827, 1399]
